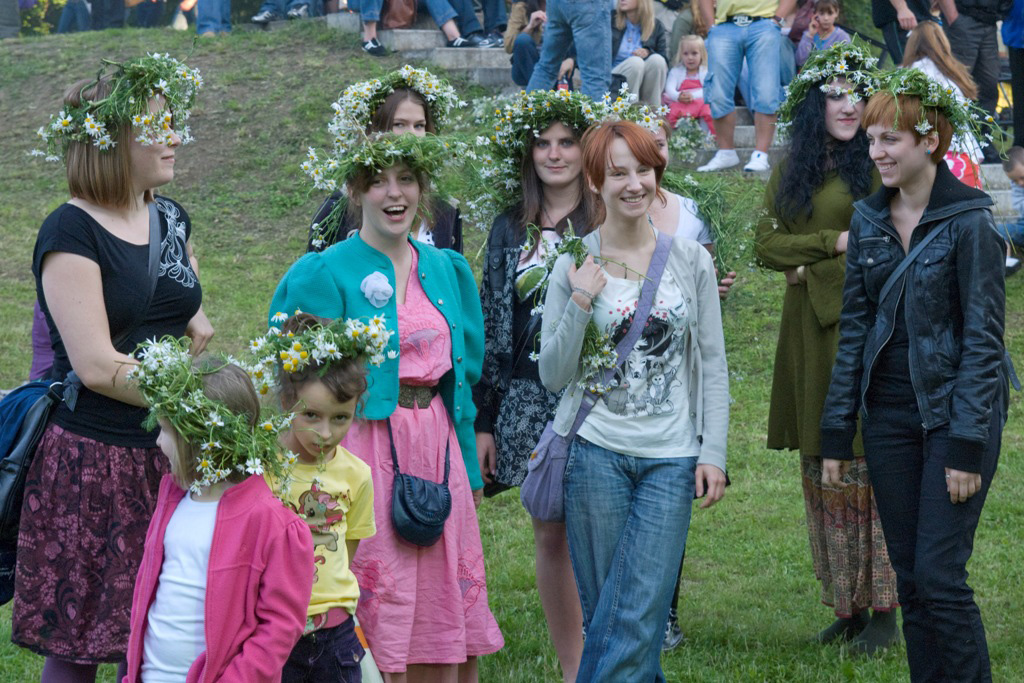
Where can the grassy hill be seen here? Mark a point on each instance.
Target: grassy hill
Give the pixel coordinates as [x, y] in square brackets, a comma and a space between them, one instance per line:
[751, 603]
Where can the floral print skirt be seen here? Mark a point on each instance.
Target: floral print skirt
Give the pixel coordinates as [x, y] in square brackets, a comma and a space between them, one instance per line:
[84, 518]
[524, 411]
[847, 545]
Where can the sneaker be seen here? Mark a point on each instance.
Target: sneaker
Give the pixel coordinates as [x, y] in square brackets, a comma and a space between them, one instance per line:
[461, 42]
[673, 634]
[1013, 264]
[491, 40]
[264, 18]
[758, 162]
[373, 47]
[723, 159]
[299, 12]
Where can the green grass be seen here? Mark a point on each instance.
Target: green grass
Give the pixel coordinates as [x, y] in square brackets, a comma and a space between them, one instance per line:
[750, 601]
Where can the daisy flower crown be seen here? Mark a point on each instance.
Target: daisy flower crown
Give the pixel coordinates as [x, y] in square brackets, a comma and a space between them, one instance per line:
[224, 442]
[514, 127]
[317, 346]
[358, 103]
[965, 117]
[132, 85]
[423, 155]
[852, 61]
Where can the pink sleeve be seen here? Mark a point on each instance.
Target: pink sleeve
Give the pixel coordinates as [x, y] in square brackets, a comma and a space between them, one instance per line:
[285, 589]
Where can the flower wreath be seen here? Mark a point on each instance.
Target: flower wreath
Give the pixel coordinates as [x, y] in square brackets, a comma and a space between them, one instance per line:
[132, 85]
[852, 61]
[167, 377]
[342, 338]
[357, 104]
[965, 117]
[525, 118]
[424, 155]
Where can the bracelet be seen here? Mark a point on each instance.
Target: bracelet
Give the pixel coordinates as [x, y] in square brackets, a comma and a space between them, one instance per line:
[580, 290]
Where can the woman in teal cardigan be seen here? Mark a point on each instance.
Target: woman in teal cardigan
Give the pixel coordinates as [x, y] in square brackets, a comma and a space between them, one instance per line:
[421, 394]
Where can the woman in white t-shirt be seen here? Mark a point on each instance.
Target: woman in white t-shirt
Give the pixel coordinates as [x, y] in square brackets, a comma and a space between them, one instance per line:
[656, 436]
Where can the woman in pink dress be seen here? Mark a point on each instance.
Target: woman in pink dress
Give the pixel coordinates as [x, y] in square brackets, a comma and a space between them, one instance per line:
[423, 609]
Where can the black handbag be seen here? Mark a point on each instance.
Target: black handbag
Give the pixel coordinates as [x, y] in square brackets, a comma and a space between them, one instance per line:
[419, 507]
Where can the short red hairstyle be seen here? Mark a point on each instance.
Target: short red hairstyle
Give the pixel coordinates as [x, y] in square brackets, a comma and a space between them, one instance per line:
[597, 144]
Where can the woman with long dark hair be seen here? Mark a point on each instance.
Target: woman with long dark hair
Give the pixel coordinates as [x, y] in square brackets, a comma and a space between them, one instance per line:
[923, 366]
[803, 234]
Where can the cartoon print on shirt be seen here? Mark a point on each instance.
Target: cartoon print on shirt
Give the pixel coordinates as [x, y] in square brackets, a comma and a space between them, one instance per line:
[321, 512]
[644, 384]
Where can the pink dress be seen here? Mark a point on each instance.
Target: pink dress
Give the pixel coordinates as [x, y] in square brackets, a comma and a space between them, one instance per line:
[421, 605]
[694, 109]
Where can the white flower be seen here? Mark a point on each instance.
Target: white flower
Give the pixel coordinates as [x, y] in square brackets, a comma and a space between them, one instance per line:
[253, 466]
[376, 288]
[279, 317]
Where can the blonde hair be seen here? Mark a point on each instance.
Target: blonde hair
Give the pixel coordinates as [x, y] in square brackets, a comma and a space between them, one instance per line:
[929, 40]
[645, 13]
[102, 177]
[692, 39]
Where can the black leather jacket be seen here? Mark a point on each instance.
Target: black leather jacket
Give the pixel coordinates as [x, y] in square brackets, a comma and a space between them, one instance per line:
[954, 313]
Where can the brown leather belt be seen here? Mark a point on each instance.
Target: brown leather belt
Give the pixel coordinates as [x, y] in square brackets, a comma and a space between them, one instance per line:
[410, 395]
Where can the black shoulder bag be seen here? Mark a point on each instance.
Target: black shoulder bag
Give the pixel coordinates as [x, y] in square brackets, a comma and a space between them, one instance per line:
[419, 507]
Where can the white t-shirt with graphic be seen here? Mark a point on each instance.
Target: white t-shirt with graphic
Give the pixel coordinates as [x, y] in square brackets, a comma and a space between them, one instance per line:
[645, 412]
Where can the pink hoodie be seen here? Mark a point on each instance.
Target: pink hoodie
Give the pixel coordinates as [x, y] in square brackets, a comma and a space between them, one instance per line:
[257, 587]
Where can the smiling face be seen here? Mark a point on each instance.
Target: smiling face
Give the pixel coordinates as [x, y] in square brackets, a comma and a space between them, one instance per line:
[899, 157]
[629, 186]
[321, 422]
[557, 156]
[152, 165]
[842, 116]
[389, 204]
[409, 118]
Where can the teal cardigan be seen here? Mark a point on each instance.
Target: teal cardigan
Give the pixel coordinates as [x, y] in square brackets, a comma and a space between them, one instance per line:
[326, 284]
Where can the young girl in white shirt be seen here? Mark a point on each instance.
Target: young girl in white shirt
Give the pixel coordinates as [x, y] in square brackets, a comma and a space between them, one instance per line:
[684, 87]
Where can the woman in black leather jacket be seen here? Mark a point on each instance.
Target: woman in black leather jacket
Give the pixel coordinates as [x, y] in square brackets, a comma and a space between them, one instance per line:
[921, 359]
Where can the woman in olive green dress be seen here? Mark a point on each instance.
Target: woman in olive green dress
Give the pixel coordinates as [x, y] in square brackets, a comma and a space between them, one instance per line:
[803, 234]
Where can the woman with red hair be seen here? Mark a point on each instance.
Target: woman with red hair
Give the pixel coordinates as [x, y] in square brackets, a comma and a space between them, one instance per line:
[655, 435]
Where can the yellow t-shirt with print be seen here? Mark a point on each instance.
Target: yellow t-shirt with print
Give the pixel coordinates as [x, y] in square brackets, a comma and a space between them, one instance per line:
[752, 8]
[336, 501]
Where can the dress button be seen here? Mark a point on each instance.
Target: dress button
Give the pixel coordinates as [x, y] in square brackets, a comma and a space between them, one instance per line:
[871, 260]
[440, 302]
[687, 299]
[453, 326]
[459, 359]
[693, 414]
[460, 385]
[423, 275]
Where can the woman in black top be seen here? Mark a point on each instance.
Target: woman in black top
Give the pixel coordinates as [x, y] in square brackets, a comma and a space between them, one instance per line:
[405, 110]
[93, 482]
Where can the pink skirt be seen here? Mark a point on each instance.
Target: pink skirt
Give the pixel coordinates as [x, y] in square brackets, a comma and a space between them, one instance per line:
[421, 605]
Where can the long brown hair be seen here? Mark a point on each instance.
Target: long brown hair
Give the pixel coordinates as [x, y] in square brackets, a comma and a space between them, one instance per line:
[530, 210]
[929, 40]
[384, 118]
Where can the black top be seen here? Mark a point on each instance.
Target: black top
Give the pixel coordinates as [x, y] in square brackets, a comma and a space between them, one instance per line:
[882, 11]
[446, 231]
[125, 278]
[890, 380]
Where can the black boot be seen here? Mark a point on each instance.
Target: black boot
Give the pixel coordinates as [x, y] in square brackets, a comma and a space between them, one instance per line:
[844, 628]
[880, 634]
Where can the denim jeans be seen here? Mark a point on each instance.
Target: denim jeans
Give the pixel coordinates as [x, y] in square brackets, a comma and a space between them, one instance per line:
[626, 518]
[369, 10]
[524, 56]
[148, 14]
[728, 45]
[930, 539]
[214, 16]
[1013, 232]
[331, 654]
[587, 23]
[74, 17]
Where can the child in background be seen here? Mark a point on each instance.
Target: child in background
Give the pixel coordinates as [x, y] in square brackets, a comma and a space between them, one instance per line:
[1013, 233]
[332, 490]
[822, 32]
[217, 530]
[684, 87]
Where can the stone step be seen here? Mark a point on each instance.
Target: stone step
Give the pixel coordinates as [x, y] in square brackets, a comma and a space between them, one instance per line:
[993, 177]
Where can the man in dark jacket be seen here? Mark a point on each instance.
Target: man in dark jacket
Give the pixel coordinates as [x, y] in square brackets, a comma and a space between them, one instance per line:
[971, 29]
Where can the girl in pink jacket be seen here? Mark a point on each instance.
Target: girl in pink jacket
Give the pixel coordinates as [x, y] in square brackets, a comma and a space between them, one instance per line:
[226, 573]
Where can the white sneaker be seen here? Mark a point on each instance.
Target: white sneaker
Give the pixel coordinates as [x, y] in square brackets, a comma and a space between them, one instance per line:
[758, 162]
[724, 158]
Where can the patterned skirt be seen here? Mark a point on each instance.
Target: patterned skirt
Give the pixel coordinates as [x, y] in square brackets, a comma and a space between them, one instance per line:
[524, 411]
[84, 518]
[847, 546]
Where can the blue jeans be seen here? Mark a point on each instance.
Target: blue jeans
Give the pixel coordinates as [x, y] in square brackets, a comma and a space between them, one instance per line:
[626, 519]
[787, 70]
[331, 654]
[728, 45]
[524, 57]
[930, 539]
[148, 14]
[1013, 232]
[278, 7]
[74, 17]
[369, 10]
[213, 16]
[587, 23]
